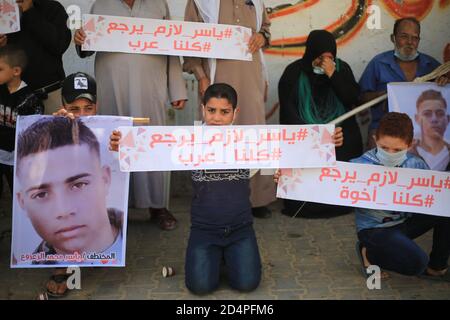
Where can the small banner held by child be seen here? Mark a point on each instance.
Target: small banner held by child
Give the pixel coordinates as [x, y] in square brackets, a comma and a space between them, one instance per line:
[157, 148]
[370, 186]
[166, 37]
[9, 16]
[70, 197]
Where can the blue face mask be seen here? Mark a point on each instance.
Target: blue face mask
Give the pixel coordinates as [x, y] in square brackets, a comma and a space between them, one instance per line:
[391, 159]
[318, 70]
[405, 58]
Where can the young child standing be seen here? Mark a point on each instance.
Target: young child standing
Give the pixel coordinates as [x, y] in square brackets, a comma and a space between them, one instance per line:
[16, 98]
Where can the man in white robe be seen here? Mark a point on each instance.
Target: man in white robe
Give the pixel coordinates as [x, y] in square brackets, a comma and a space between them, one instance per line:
[139, 85]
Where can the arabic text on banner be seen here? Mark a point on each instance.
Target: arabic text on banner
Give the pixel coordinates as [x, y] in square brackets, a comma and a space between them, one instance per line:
[166, 37]
[370, 186]
[159, 148]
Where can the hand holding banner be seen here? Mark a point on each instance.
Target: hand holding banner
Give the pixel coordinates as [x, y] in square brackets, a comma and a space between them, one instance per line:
[226, 147]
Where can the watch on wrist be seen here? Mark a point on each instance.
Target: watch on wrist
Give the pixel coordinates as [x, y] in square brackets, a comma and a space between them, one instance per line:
[266, 36]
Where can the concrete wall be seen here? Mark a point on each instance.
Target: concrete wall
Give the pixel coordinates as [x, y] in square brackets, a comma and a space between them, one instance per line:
[292, 21]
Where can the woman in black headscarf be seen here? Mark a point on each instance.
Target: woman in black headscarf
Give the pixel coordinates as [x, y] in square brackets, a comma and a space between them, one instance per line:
[316, 90]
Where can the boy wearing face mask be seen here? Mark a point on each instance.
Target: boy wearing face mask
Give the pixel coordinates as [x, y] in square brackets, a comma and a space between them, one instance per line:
[386, 237]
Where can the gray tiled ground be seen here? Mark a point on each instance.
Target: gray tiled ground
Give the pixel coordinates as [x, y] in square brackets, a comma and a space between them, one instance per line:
[302, 259]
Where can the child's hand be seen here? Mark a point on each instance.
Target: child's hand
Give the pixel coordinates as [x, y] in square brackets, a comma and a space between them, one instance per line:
[338, 137]
[79, 37]
[277, 176]
[64, 113]
[114, 140]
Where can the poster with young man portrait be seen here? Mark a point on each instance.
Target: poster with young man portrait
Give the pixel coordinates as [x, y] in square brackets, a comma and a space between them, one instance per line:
[428, 106]
[70, 198]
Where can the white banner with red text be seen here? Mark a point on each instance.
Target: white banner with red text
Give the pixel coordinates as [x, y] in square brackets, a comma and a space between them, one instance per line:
[165, 37]
[165, 148]
[370, 186]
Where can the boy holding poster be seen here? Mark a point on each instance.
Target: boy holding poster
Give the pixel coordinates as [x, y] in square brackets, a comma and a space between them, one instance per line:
[79, 98]
[386, 237]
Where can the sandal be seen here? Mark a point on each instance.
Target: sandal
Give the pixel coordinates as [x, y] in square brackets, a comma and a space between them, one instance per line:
[164, 218]
[364, 270]
[59, 279]
[445, 277]
[42, 296]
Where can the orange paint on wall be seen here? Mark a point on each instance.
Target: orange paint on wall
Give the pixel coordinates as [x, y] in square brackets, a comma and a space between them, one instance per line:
[408, 8]
[299, 51]
[330, 27]
[292, 9]
[444, 3]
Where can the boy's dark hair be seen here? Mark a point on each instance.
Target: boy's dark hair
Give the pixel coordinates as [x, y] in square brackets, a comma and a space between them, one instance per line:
[430, 95]
[221, 91]
[53, 132]
[14, 56]
[398, 22]
[396, 124]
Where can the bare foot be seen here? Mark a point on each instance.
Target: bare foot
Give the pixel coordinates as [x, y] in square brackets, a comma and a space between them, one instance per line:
[384, 275]
[436, 273]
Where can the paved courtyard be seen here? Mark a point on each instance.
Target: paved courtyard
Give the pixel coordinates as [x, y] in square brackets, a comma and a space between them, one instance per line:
[302, 259]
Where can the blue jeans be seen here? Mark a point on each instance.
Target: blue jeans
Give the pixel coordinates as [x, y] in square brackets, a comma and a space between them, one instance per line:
[236, 247]
[393, 248]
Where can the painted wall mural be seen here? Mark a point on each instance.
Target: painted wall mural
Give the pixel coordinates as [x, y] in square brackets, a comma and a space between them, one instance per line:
[344, 28]
[348, 24]
[292, 21]
[347, 20]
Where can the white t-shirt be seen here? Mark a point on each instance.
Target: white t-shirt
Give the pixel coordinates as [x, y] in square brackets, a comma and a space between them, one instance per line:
[436, 162]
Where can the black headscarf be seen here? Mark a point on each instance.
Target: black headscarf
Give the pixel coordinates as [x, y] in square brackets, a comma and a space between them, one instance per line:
[318, 42]
[317, 101]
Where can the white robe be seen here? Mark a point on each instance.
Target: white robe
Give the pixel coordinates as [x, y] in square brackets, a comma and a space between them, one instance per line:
[139, 86]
